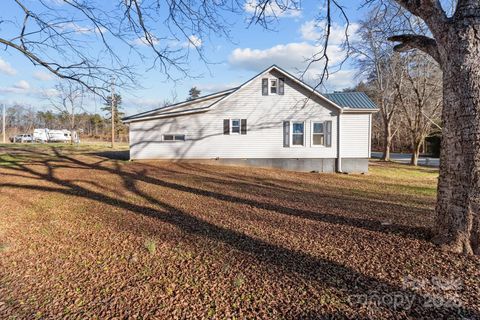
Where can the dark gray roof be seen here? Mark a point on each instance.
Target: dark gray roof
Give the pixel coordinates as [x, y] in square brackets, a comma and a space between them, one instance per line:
[353, 100]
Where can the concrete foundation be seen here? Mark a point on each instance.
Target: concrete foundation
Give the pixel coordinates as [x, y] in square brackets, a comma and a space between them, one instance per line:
[355, 165]
[349, 165]
[305, 165]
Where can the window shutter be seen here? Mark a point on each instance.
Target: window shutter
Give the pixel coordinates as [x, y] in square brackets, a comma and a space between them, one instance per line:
[328, 133]
[264, 87]
[286, 134]
[243, 126]
[226, 126]
[281, 86]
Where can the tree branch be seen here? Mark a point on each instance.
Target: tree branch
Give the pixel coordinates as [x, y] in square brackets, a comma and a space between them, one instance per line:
[414, 41]
[430, 11]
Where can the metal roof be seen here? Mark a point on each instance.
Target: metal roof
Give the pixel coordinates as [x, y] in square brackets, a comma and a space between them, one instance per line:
[352, 100]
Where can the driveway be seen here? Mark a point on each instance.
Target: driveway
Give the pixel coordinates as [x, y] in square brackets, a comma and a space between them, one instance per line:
[405, 158]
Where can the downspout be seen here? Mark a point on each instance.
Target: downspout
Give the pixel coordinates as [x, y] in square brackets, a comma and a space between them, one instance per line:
[339, 157]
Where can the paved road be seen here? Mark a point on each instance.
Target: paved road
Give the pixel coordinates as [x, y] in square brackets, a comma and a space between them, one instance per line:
[405, 158]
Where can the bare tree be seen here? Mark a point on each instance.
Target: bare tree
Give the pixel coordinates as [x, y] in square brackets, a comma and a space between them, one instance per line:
[68, 100]
[420, 97]
[61, 36]
[376, 59]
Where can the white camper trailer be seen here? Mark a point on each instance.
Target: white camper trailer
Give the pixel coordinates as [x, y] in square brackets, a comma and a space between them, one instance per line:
[59, 136]
[46, 135]
[40, 135]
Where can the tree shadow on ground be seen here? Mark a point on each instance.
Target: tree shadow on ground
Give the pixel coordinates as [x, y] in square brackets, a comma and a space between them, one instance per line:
[309, 267]
[113, 155]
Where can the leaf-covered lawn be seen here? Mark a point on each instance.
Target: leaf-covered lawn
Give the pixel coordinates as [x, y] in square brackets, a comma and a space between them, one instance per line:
[85, 236]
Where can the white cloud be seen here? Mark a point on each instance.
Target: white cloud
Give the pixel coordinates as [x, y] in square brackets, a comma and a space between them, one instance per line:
[51, 92]
[6, 68]
[312, 31]
[345, 78]
[273, 9]
[22, 85]
[42, 76]
[72, 26]
[142, 41]
[289, 56]
[309, 31]
[194, 41]
[23, 88]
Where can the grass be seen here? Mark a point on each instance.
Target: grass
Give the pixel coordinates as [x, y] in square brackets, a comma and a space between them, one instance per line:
[93, 237]
[8, 160]
[151, 246]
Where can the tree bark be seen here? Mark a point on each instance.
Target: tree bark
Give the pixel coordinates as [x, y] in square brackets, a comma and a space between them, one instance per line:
[457, 223]
[387, 141]
[415, 152]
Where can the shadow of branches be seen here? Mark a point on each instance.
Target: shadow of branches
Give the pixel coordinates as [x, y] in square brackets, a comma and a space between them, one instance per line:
[305, 265]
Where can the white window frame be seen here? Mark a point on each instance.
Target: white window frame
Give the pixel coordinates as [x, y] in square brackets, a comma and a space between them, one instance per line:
[270, 80]
[291, 134]
[174, 135]
[311, 134]
[239, 126]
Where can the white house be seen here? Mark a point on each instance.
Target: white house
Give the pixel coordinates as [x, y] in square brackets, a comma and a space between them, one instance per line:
[272, 120]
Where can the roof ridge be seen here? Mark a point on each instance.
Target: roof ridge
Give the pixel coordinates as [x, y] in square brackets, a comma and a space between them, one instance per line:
[177, 104]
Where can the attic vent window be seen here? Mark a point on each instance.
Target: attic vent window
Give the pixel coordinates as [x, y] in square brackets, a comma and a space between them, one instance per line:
[273, 86]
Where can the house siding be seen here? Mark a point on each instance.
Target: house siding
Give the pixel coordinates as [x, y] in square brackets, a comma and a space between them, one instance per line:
[264, 138]
[355, 135]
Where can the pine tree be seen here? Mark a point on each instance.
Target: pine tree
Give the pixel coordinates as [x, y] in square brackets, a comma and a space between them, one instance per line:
[119, 126]
[194, 93]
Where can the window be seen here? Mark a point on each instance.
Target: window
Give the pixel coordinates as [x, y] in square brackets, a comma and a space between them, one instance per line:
[298, 133]
[318, 134]
[173, 137]
[273, 86]
[235, 126]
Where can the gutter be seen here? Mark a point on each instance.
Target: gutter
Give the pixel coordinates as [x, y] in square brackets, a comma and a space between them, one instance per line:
[358, 110]
[339, 157]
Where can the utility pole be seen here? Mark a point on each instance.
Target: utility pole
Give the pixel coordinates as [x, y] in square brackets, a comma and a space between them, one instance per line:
[4, 115]
[112, 97]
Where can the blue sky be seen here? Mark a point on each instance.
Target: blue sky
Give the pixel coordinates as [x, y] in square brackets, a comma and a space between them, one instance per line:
[251, 50]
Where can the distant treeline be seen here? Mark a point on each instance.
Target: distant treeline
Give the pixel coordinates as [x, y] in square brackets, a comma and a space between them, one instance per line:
[23, 119]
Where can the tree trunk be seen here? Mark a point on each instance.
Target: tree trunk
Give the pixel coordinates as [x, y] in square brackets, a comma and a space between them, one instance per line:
[72, 126]
[416, 145]
[457, 223]
[387, 141]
